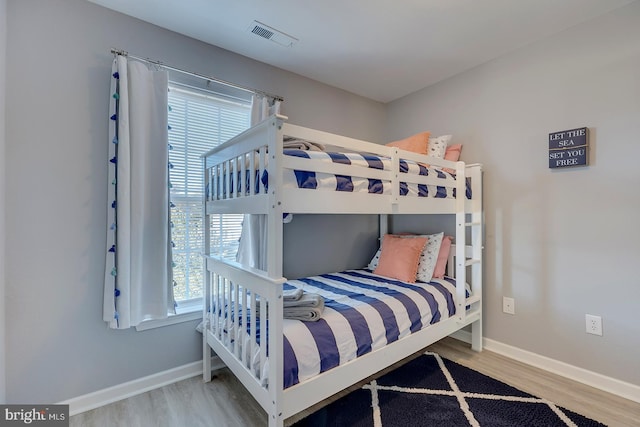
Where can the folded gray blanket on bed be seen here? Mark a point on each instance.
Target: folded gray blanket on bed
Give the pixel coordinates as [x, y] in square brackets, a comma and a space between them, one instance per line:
[299, 305]
[308, 308]
[301, 144]
[292, 295]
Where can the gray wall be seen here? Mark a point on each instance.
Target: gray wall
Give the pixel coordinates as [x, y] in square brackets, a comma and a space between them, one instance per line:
[3, 48]
[58, 68]
[563, 243]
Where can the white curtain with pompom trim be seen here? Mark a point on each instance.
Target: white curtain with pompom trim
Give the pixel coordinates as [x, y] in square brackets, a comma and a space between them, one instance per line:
[138, 271]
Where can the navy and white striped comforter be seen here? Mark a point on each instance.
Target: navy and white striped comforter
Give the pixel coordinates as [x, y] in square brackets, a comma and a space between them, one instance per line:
[363, 312]
[346, 183]
[325, 181]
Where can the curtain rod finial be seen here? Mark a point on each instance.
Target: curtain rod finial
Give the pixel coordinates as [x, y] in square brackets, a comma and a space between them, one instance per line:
[118, 51]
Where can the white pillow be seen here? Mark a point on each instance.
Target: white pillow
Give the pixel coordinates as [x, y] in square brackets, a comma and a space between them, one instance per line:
[374, 261]
[437, 147]
[428, 257]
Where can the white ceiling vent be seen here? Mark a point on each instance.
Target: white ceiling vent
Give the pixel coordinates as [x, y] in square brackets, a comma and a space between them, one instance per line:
[270, 33]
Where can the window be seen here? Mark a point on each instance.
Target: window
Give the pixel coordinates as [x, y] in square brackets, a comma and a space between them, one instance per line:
[198, 121]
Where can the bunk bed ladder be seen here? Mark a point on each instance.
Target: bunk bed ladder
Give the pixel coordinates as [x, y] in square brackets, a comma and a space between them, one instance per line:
[469, 217]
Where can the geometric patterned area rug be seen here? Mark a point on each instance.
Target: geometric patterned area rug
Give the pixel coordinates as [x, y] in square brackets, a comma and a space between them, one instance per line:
[432, 391]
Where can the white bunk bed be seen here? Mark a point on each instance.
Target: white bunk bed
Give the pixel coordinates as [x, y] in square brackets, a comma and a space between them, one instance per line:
[255, 158]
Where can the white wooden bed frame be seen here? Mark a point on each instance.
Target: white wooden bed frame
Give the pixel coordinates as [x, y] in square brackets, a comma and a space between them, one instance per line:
[229, 285]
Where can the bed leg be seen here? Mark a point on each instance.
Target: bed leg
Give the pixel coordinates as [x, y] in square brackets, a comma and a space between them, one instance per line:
[206, 358]
[476, 335]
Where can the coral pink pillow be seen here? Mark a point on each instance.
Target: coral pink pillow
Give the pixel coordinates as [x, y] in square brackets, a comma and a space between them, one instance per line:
[453, 154]
[443, 256]
[417, 143]
[399, 257]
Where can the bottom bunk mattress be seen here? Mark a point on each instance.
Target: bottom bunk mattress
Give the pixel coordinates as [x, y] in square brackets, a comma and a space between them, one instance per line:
[362, 312]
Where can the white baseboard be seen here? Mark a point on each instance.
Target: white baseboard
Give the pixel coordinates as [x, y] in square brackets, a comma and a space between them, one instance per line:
[590, 378]
[141, 385]
[122, 391]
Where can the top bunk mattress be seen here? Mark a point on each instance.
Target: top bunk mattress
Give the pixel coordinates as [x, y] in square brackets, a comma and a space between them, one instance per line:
[445, 187]
[442, 183]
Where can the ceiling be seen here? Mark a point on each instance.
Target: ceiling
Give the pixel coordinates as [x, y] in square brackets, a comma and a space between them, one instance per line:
[379, 49]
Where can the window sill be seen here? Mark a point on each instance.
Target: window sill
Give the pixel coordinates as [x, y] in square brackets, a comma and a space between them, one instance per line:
[185, 313]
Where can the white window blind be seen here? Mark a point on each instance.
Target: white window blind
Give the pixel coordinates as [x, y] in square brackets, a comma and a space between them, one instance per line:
[198, 121]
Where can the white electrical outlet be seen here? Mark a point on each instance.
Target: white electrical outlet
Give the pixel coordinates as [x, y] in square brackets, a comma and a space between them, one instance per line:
[508, 305]
[594, 324]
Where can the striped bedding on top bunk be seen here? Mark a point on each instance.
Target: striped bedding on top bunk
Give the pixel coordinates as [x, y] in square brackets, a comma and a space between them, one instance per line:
[353, 184]
[331, 182]
[363, 312]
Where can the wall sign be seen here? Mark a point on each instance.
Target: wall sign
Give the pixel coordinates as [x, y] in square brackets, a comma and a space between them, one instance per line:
[569, 148]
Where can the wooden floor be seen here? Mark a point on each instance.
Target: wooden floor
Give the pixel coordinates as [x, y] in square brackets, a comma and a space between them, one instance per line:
[224, 402]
